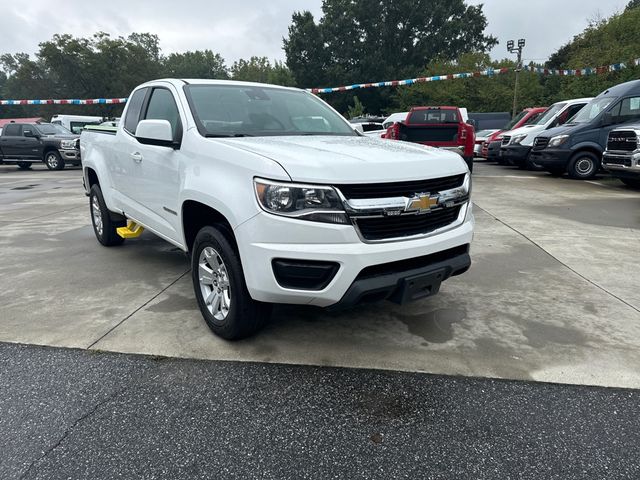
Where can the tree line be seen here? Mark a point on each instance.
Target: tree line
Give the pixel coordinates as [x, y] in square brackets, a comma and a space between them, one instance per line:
[354, 41]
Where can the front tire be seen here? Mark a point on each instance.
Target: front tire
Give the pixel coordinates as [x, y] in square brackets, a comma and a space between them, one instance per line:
[24, 165]
[103, 226]
[53, 161]
[221, 290]
[584, 165]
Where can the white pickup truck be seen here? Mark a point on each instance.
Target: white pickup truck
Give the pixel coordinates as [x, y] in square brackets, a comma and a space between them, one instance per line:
[276, 199]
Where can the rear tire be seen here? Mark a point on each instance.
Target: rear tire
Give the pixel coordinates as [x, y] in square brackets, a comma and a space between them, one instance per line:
[103, 226]
[221, 290]
[583, 166]
[24, 165]
[53, 161]
[631, 182]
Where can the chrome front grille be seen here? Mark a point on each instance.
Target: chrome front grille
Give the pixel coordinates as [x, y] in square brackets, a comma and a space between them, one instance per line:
[622, 141]
[401, 210]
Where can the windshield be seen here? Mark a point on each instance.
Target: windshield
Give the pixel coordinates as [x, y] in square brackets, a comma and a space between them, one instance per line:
[592, 109]
[52, 129]
[245, 110]
[515, 120]
[432, 115]
[549, 113]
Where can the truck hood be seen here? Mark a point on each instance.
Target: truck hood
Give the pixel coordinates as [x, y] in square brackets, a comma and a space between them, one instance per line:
[562, 130]
[337, 159]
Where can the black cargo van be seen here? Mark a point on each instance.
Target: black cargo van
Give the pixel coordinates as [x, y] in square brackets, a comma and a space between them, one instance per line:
[577, 146]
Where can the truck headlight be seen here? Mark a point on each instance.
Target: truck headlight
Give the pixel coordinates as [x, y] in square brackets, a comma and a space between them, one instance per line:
[558, 140]
[68, 144]
[517, 140]
[315, 203]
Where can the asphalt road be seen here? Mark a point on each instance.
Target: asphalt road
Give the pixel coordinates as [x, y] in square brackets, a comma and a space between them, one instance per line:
[551, 295]
[71, 414]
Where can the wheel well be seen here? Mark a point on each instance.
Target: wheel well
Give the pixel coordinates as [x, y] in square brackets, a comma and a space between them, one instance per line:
[196, 215]
[593, 150]
[49, 149]
[92, 177]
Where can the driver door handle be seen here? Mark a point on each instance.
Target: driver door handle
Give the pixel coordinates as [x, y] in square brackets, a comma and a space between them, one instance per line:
[136, 157]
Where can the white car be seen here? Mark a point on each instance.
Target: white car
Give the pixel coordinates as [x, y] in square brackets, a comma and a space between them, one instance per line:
[277, 199]
[75, 123]
[481, 137]
[516, 144]
[394, 118]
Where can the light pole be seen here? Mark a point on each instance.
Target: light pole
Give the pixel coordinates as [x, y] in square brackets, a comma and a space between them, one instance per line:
[512, 49]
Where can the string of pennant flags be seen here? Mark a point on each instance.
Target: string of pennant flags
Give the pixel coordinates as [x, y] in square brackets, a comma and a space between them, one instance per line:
[71, 101]
[489, 72]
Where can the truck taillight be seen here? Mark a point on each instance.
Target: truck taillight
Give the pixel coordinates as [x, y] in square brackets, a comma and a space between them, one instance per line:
[463, 135]
[394, 132]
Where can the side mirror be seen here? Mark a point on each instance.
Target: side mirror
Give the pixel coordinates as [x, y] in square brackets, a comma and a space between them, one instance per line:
[155, 132]
[30, 134]
[607, 119]
[473, 123]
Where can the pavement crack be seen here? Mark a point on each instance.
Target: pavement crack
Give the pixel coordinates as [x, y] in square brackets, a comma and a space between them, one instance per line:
[588, 280]
[138, 309]
[68, 431]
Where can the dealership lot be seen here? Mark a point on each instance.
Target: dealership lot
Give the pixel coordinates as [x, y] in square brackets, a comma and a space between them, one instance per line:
[550, 296]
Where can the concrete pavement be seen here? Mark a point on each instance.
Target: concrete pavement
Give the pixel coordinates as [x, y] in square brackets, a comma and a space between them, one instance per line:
[550, 296]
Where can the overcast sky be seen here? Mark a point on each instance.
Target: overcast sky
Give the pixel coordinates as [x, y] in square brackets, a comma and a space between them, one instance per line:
[244, 28]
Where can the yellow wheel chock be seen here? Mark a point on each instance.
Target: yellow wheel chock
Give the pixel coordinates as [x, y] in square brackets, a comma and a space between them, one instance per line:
[132, 230]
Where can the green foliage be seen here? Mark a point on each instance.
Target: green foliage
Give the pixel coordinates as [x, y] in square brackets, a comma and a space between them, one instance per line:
[373, 40]
[197, 64]
[357, 109]
[102, 66]
[260, 69]
[603, 42]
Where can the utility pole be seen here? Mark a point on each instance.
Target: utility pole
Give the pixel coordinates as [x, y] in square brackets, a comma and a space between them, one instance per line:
[512, 49]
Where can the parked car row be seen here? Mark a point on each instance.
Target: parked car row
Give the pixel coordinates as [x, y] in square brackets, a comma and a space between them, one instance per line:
[573, 137]
[24, 141]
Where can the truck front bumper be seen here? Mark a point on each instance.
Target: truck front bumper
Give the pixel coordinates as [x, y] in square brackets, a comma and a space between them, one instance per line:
[493, 151]
[515, 154]
[397, 270]
[70, 155]
[551, 158]
[622, 165]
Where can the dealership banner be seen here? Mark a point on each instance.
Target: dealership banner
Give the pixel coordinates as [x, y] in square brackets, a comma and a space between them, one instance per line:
[71, 101]
[489, 72]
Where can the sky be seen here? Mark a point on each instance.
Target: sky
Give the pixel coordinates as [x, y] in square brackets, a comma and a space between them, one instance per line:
[245, 28]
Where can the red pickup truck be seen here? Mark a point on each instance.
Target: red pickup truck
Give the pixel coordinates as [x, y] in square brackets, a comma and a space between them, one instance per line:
[442, 127]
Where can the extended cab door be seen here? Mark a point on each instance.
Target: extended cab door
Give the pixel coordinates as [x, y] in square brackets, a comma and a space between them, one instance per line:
[153, 177]
[12, 143]
[31, 143]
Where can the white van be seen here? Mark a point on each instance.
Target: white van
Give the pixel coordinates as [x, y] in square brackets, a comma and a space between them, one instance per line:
[516, 144]
[75, 123]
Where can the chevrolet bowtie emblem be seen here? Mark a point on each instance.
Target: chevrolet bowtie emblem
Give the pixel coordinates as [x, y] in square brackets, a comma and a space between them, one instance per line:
[422, 202]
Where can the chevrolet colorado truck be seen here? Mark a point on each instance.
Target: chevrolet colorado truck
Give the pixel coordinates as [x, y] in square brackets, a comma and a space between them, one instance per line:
[276, 199]
[622, 156]
[27, 143]
[442, 127]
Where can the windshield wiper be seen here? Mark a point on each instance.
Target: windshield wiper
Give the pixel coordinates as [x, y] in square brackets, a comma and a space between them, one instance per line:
[227, 135]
